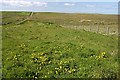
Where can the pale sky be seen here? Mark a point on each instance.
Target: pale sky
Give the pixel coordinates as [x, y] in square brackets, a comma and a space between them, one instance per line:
[70, 6]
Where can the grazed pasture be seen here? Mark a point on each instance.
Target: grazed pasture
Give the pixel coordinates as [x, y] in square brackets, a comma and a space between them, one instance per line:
[42, 47]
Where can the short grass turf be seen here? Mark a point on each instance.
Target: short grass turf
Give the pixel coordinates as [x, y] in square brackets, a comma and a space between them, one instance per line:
[40, 50]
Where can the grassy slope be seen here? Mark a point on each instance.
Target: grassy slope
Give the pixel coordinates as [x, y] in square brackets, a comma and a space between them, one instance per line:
[35, 49]
[74, 19]
[68, 20]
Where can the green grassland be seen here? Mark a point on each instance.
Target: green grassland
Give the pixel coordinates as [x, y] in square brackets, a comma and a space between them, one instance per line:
[74, 20]
[42, 48]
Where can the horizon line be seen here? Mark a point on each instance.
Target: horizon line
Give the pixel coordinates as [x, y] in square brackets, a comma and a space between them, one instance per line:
[58, 12]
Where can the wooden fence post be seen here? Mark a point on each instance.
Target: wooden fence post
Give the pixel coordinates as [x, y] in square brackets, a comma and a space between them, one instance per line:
[107, 30]
[31, 14]
[75, 27]
[97, 29]
[83, 27]
[90, 28]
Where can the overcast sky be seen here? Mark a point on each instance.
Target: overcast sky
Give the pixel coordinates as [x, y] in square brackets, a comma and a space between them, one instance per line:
[70, 6]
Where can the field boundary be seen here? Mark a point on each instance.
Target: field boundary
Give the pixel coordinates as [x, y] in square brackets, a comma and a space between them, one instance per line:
[97, 29]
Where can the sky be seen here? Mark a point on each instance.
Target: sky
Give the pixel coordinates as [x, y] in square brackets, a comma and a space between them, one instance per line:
[63, 6]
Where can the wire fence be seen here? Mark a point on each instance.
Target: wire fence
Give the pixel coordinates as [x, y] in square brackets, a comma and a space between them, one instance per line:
[105, 30]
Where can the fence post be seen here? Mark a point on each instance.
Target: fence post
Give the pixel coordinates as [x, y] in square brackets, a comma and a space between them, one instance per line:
[90, 28]
[83, 27]
[97, 29]
[31, 14]
[107, 31]
[75, 27]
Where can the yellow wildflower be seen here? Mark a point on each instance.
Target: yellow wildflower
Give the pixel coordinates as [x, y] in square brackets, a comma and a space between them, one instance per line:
[56, 72]
[60, 67]
[103, 53]
[69, 71]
